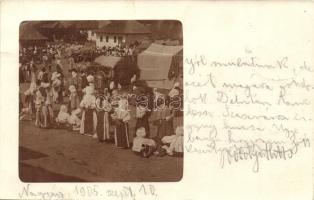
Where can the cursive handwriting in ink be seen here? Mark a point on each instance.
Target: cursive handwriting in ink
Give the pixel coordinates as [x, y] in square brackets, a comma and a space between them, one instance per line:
[28, 193]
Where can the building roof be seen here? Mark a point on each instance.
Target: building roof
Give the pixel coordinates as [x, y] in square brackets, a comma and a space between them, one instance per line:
[57, 24]
[91, 24]
[87, 24]
[125, 27]
[103, 23]
[28, 32]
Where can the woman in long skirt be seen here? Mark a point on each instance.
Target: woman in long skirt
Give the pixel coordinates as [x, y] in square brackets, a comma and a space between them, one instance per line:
[44, 112]
[103, 108]
[89, 117]
[47, 111]
[39, 102]
[56, 86]
[142, 119]
[74, 100]
[61, 90]
[164, 115]
[122, 117]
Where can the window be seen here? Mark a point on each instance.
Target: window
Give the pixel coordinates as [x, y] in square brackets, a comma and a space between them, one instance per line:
[100, 38]
[107, 38]
[115, 39]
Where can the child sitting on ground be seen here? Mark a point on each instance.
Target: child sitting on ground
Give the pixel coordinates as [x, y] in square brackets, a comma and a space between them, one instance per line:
[143, 146]
[74, 120]
[63, 117]
[175, 143]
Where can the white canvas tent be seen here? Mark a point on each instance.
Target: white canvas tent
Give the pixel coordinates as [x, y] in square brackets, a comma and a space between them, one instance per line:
[154, 64]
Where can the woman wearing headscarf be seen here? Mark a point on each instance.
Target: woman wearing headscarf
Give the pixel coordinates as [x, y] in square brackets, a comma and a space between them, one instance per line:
[142, 116]
[44, 114]
[122, 116]
[89, 117]
[103, 107]
[61, 77]
[164, 115]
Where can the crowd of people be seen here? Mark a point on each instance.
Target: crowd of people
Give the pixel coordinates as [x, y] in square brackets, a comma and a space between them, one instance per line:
[73, 53]
[73, 103]
[117, 50]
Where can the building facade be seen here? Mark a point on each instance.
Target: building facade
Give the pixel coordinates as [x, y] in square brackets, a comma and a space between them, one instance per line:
[120, 33]
[111, 40]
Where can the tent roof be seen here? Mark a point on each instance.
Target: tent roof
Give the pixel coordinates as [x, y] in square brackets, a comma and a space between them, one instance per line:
[162, 49]
[125, 27]
[140, 48]
[108, 61]
[91, 24]
[168, 42]
[28, 32]
[155, 62]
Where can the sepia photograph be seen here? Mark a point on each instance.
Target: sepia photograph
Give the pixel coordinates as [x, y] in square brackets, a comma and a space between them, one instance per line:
[156, 100]
[101, 101]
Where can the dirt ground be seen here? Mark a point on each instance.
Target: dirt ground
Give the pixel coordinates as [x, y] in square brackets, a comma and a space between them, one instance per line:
[59, 155]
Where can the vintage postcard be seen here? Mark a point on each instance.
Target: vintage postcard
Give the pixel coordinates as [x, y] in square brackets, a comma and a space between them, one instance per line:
[112, 89]
[136, 100]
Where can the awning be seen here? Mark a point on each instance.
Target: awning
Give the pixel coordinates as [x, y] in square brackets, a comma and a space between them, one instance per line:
[107, 61]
